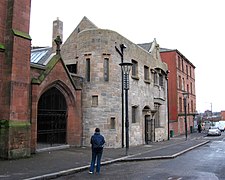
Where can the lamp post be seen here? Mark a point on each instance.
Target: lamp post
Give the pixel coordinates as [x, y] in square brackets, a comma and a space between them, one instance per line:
[122, 47]
[185, 94]
[126, 70]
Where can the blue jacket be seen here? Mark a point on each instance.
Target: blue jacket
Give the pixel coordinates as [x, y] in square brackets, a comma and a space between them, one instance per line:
[97, 142]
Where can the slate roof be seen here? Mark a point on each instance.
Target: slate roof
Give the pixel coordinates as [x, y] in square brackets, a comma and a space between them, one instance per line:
[166, 50]
[146, 46]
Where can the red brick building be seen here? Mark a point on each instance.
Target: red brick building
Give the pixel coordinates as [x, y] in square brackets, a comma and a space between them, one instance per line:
[180, 79]
[222, 115]
[33, 94]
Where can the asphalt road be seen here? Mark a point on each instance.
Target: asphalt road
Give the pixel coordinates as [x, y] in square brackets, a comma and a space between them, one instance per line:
[204, 163]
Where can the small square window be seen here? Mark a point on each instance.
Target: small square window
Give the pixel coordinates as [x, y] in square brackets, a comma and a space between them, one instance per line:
[95, 101]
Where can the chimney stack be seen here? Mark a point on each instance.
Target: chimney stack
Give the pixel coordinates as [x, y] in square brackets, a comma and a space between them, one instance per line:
[57, 31]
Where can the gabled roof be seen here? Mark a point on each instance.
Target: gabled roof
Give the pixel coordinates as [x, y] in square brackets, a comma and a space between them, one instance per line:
[84, 24]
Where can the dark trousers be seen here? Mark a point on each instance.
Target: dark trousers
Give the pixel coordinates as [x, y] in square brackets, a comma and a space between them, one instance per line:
[96, 155]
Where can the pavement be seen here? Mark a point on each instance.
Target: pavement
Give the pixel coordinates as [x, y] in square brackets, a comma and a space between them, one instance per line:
[65, 160]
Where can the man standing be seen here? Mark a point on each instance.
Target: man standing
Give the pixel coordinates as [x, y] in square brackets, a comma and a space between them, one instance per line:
[97, 143]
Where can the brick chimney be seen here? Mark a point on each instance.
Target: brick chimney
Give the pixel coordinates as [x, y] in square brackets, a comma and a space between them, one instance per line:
[57, 30]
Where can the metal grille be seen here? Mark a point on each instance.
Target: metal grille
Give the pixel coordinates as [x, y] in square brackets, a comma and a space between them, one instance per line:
[148, 130]
[52, 117]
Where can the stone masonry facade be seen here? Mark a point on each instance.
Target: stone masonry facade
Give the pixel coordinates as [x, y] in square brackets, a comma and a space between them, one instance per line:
[101, 99]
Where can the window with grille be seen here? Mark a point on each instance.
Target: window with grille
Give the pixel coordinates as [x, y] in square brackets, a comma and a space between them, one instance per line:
[146, 73]
[157, 115]
[106, 69]
[134, 114]
[134, 68]
[161, 80]
[88, 70]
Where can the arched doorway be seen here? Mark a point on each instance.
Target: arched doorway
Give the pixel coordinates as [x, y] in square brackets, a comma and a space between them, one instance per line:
[52, 118]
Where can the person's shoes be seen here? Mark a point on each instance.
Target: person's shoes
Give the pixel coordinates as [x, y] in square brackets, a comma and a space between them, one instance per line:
[91, 172]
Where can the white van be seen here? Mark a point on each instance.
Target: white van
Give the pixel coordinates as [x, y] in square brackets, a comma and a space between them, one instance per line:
[221, 125]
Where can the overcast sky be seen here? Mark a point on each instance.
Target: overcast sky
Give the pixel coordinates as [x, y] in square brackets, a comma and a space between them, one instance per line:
[194, 27]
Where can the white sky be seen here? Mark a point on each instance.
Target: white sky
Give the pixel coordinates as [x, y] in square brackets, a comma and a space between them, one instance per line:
[194, 27]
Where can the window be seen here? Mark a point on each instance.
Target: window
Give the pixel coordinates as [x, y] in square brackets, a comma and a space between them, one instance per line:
[161, 80]
[134, 114]
[183, 84]
[72, 68]
[190, 72]
[112, 123]
[95, 101]
[157, 115]
[188, 88]
[182, 65]
[187, 71]
[179, 82]
[180, 104]
[134, 68]
[156, 79]
[191, 87]
[178, 62]
[192, 106]
[88, 70]
[146, 73]
[106, 69]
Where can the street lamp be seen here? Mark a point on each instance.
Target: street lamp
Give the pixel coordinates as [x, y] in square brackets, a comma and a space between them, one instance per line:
[126, 70]
[185, 94]
[122, 47]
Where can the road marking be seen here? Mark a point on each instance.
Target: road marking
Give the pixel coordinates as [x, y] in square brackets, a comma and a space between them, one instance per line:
[175, 178]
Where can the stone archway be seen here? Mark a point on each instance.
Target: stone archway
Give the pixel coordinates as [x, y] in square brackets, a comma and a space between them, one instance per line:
[52, 118]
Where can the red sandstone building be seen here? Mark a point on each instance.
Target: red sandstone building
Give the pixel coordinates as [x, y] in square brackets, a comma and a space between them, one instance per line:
[180, 79]
[31, 92]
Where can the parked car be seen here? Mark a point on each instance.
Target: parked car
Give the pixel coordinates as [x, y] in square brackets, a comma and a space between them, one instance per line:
[221, 125]
[214, 131]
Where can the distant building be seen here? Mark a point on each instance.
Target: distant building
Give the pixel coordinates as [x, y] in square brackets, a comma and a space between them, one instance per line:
[222, 115]
[181, 79]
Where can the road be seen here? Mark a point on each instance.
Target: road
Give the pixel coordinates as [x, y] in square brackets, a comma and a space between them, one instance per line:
[204, 163]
